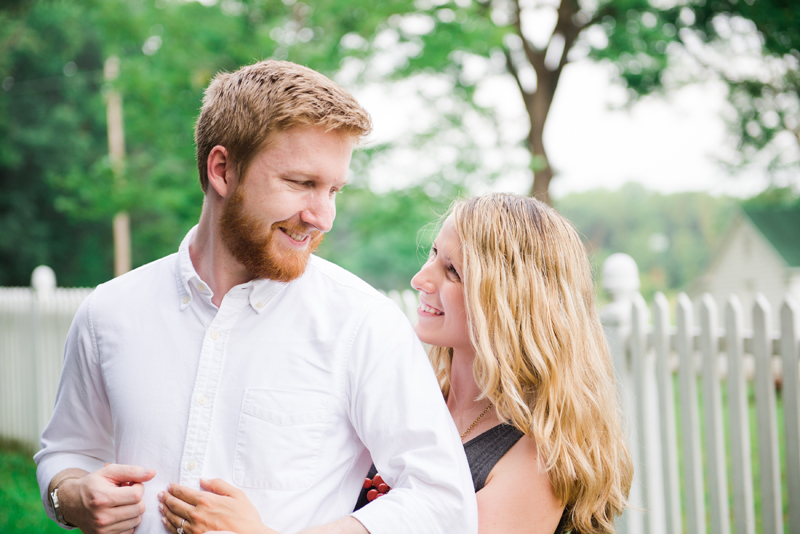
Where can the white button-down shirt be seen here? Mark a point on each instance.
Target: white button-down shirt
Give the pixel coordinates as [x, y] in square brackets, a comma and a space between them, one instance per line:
[287, 391]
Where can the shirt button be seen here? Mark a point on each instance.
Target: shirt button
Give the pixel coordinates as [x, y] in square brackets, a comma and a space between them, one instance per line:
[201, 287]
[191, 465]
[202, 401]
[259, 304]
[185, 300]
[214, 335]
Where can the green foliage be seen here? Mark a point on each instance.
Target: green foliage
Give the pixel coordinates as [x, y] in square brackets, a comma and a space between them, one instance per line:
[384, 238]
[21, 511]
[60, 192]
[718, 34]
[671, 237]
[774, 197]
[50, 124]
[638, 35]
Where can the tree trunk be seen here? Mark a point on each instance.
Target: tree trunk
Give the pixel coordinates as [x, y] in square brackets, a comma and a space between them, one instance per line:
[540, 165]
[538, 102]
[541, 184]
[537, 108]
[116, 152]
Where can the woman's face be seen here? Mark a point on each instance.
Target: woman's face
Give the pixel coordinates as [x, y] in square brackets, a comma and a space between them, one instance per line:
[442, 310]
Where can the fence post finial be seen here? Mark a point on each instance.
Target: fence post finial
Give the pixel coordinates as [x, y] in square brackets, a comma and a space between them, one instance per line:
[43, 280]
[620, 277]
[621, 281]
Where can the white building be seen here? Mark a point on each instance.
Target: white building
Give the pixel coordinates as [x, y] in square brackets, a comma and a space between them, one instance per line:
[760, 253]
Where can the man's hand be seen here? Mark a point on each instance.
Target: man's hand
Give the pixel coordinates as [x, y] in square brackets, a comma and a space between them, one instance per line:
[108, 501]
[221, 508]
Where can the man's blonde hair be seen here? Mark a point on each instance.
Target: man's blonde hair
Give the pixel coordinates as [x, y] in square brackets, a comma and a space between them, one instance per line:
[242, 109]
[541, 355]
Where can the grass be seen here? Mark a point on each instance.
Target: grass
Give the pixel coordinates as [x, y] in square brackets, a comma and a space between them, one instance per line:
[21, 510]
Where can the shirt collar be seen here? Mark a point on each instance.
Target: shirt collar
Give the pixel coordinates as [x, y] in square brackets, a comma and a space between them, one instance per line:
[259, 292]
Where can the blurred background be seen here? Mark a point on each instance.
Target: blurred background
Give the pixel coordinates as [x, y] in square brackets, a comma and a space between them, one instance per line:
[668, 130]
[646, 123]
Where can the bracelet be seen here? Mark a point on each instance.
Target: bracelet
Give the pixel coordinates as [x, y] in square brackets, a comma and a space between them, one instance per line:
[57, 504]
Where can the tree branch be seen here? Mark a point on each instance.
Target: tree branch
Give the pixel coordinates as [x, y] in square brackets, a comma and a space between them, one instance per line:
[512, 68]
[569, 30]
[535, 58]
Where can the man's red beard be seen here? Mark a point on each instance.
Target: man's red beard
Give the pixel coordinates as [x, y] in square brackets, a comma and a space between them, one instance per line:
[256, 247]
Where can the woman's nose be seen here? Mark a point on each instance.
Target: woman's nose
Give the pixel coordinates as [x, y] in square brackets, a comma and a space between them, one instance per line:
[422, 281]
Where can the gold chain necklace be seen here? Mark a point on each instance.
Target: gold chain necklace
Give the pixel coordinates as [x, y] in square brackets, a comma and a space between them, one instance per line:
[475, 422]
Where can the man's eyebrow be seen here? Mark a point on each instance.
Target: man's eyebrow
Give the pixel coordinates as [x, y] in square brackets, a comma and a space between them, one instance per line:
[300, 174]
[308, 176]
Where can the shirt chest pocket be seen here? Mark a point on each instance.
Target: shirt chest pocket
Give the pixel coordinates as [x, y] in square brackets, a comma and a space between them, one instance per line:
[279, 439]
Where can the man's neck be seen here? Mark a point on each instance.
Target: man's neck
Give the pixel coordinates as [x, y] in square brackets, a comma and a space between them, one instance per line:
[212, 260]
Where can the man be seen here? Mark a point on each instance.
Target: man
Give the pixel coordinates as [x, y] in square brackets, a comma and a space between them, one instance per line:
[243, 357]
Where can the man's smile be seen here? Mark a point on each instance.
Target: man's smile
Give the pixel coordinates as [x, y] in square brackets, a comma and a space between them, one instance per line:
[299, 238]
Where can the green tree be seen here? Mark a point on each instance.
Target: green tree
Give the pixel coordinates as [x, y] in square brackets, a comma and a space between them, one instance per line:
[61, 193]
[60, 190]
[774, 197]
[765, 95]
[384, 238]
[671, 237]
[51, 125]
[534, 40]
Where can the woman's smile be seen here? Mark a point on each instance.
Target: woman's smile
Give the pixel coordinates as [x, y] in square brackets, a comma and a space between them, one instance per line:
[427, 310]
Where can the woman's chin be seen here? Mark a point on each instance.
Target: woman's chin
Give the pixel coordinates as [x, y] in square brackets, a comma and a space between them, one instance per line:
[423, 337]
[429, 340]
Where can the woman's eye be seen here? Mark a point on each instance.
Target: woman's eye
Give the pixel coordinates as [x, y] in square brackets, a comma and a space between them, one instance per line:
[453, 273]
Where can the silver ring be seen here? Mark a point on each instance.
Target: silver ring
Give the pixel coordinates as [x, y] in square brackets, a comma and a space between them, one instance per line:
[180, 528]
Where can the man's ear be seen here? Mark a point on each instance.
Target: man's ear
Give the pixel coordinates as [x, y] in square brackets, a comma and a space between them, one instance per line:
[222, 175]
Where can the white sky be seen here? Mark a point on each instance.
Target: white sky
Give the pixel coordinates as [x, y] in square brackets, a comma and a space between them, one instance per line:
[667, 144]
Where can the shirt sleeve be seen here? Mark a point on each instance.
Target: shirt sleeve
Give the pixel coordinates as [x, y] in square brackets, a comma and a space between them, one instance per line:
[80, 431]
[398, 411]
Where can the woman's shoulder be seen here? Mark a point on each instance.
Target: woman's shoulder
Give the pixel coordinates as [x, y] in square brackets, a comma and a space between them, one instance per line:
[518, 495]
[521, 460]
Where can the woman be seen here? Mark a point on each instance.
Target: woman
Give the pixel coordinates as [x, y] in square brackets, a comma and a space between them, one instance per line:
[507, 304]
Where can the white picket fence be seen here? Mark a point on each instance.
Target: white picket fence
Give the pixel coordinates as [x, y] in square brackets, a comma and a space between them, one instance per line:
[33, 327]
[34, 322]
[689, 478]
[708, 356]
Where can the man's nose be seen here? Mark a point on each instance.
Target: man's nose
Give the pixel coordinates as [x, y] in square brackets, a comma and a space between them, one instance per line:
[320, 213]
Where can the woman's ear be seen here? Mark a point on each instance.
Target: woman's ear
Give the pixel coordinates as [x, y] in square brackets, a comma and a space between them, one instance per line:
[222, 174]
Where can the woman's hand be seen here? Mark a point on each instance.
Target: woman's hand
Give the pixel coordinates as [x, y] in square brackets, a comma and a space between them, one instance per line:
[221, 508]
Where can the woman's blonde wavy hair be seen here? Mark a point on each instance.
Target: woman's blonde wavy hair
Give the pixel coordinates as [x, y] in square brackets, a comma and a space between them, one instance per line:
[541, 355]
